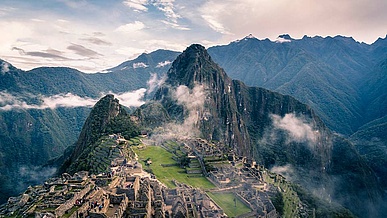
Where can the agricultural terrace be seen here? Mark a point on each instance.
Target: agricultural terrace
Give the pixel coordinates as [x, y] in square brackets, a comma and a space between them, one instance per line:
[166, 174]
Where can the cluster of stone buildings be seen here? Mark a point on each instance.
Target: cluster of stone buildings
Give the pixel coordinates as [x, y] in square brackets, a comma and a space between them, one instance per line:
[127, 191]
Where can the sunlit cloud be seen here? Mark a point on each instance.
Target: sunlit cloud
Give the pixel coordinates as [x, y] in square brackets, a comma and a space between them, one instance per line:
[136, 5]
[131, 27]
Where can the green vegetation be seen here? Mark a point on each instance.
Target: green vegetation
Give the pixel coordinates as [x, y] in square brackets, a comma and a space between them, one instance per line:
[166, 175]
[70, 212]
[290, 200]
[227, 202]
[97, 157]
[123, 125]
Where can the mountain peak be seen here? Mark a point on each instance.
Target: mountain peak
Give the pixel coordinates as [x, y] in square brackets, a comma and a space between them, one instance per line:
[284, 38]
[103, 111]
[250, 36]
[193, 66]
[195, 47]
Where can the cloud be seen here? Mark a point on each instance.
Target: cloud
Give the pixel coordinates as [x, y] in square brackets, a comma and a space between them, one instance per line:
[137, 5]
[287, 171]
[155, 82]
[11, 102]
[175, 25]
[4, 67]
[6, 10]
[163, 64]
[192, 101]
[139, 65]
[215, 24]
[131, 27]
[131, 99]
[32, 175]
[297, 128]
[67, 100]
[97, 41]
[52, 54]
[83, 51]
[168, 8]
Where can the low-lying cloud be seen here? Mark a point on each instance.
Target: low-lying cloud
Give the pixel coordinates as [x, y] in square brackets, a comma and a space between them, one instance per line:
[297, 128]
[193, 102]
[132, 99]
[155, 82]
[11, 102]
[287, 171]
[139, 65]
[163, 64]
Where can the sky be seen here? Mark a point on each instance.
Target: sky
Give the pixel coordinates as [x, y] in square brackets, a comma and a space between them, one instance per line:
[94, 35]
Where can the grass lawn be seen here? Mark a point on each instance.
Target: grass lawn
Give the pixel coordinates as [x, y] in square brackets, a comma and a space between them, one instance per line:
[226, 202]
[166, 175]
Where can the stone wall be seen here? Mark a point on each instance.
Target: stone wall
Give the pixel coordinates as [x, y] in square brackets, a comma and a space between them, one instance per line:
[70, 203]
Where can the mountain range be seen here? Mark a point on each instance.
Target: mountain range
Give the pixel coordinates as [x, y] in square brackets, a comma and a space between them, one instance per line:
[341, 80]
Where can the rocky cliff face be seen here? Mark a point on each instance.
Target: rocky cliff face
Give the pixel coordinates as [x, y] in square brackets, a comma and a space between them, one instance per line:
[273, 129]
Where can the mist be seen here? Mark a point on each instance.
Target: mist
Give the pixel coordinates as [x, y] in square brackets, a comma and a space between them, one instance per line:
[297, 128]
[193, 102]
[155, 82]
[69, 100]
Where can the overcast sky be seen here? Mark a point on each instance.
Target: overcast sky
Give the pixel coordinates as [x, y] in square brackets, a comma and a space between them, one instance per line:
[92, 35]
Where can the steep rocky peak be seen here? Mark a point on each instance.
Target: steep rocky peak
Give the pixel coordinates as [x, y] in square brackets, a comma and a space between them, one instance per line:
[285, 36]
[194, 66]
[102, 113]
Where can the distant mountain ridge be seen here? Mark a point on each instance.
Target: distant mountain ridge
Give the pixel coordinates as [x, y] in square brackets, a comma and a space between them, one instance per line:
[325, 73]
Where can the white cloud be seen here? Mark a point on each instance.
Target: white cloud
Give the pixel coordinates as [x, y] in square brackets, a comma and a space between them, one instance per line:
[282, 40]
[67, 100]
[11, 102]
[168, 8]
[287, 171]
[137, 5]
[139, 65]
[131, 27]
[215, 24]
[131, 99]
[155, 82]
[175, 25]
[163, 64]
[193, 102]
[297, 128]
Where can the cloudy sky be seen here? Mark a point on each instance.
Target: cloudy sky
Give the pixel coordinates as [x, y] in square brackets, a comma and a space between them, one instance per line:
[92, 35]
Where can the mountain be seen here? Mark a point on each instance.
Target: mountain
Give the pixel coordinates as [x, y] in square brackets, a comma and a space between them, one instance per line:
[106, 117]
[31, 135]
[325, 73]
[273, 129]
